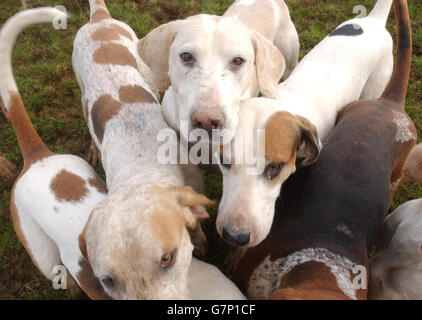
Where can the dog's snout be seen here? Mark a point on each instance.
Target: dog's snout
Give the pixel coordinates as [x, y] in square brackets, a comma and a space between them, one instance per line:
[238, 238]
[207, 120]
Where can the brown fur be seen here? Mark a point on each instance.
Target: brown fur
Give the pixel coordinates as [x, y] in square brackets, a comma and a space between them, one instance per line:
[116, 54]
[92, 285]
[68, 186]
[305, 281]
[98, 185]
[103, 110]
[134, 94]
[113, 32]
[32, 147]
[284, 134]
[99, 15]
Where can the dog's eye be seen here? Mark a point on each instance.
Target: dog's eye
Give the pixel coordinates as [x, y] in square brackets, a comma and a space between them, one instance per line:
[167, 259]
[237, 62]
[187, 58]
[224, 163]
[273, 170]
[108, 281]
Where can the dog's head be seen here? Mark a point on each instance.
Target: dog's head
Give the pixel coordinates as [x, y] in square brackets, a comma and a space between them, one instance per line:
[138, 245]
[250, 188]
[211, 63]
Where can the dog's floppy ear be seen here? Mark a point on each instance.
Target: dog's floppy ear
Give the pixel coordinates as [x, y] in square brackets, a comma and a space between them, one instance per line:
[154, 50]
[310, 145]
[413, 165]
[269, 63]
[194, 205]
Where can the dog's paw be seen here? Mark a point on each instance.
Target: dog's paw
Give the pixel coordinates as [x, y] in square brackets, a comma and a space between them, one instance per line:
[199, 241]
[94, 155]
[7, 169]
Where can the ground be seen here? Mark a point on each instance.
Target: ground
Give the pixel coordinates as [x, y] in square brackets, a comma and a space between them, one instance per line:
[43, 70]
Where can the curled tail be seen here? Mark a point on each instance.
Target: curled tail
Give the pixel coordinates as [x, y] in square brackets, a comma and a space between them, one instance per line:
[381, 10]
[29, 142]
[397, 87]
[98, 10]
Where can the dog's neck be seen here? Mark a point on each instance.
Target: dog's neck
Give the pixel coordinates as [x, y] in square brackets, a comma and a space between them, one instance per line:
[130, 149]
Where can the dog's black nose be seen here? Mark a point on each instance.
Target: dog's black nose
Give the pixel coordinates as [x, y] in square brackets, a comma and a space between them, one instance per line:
[238, 238]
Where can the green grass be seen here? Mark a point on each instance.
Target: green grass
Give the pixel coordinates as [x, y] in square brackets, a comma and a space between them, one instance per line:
[43, 70]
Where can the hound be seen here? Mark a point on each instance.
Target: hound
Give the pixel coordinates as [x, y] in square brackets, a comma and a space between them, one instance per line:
[329, 213]
[134, 244]
[208, 63]
[355, 61]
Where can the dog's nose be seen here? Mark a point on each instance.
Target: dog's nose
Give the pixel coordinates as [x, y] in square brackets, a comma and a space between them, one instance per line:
[238, 238]
[207, 120]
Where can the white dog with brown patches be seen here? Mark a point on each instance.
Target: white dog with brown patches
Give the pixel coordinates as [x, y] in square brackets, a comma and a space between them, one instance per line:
[396, 269]
[355, 61]
[133, 244]
[208, 63]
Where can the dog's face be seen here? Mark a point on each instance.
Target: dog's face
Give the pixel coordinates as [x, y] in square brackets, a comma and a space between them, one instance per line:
[247, 207]
[211, 63]
[143, 251]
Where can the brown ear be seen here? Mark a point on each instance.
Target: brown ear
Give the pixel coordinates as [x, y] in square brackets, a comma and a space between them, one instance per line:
[413, 165]
[270, 65]
[310, 145]
[154, 50]
[194, 205]
[82, 240]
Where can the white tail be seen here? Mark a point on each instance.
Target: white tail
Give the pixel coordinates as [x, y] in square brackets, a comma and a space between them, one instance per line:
[381, 10]
[8, 35]
[94, 5]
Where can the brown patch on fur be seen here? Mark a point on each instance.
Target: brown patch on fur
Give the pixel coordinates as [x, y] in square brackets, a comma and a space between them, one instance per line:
[116, 54]
[167, 225]
[134, 94]
[90, 283]
[97, 184]
[99, 15]
[31, 145]
[282, 137]
[309, 281]
[68, 186]
[112, 32]
[288, 136]
[105, 108]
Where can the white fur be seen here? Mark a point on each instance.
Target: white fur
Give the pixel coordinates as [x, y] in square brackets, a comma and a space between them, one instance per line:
[403, 125]
[396, 270]
[338, 71]
[214, 42]
[267, 277]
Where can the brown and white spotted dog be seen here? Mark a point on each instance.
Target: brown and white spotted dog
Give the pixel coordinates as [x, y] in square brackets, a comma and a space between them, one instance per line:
[52, 200]
[329, 214]
[135, 244]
